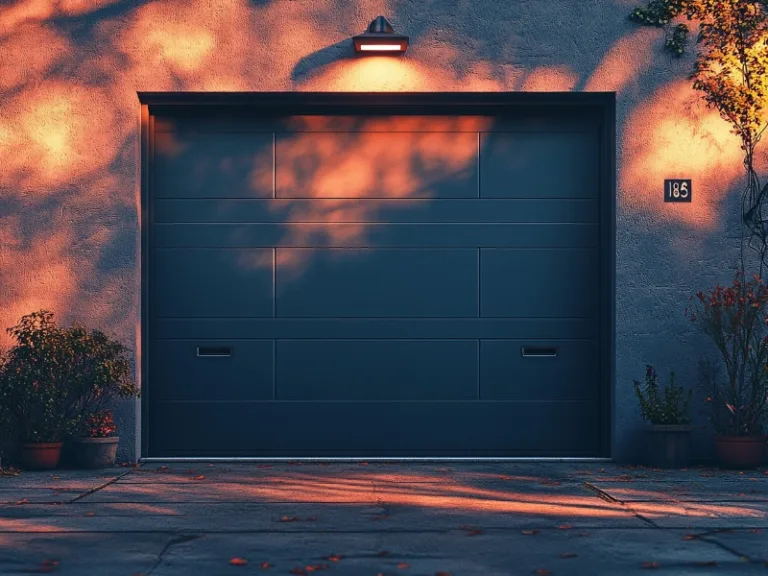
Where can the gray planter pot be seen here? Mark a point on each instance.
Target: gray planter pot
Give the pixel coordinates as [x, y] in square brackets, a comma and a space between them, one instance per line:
[95, 452]
[668, 445]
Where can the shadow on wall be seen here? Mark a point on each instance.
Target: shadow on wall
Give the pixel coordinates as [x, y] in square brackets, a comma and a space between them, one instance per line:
[68, 126]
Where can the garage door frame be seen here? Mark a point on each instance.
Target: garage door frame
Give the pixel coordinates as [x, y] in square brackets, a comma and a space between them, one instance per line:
[600, 104]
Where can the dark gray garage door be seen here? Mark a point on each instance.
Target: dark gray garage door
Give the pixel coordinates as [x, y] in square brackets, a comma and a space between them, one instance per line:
[374, 286]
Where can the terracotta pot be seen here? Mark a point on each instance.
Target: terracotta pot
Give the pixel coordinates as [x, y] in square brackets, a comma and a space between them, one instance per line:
[95, 452]
[40, 455]
[740, 451]
[668, 446]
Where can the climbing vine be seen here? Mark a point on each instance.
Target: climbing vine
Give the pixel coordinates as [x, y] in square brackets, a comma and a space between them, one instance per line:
[731, 72]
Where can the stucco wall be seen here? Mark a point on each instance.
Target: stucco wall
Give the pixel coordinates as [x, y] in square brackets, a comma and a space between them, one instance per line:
[69, 139]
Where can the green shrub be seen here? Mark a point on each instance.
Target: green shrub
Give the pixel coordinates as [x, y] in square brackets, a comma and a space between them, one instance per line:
[53, 377]
[662, 406]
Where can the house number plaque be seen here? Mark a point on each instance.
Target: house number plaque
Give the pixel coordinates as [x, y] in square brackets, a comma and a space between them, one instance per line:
[677, 190]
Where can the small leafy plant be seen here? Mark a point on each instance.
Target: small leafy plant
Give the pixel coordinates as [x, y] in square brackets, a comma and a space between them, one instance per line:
[99, 424]
[668, 405]
[52, 377]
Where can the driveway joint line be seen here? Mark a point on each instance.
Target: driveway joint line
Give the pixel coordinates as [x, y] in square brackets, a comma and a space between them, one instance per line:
[97, 488]
[174, 541]
[608, 498]
[705, 536]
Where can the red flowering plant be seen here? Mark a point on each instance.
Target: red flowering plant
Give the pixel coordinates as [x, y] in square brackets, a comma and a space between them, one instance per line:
[99, 424]
[735, 317]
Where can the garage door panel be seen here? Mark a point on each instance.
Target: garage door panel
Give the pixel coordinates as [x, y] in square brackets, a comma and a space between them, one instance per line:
[539, 370]
[366, 211]
[376, 370]
[538, 283]
[538, 165]
[376, 283]
[376, 165]
[213, 165]
[365, 284]
[213, 283]
[366, 328]
[366, 429]
[204, 370]
[376, 235]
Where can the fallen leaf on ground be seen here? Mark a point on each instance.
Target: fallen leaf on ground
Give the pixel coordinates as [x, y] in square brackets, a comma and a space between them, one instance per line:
[403, 566]
[289, 519]
[238, 562]
[564, 527]
[363, 463]
[199, 477]
[690, 537]
[22, 501]
[649, 565]
[266, 565]
[568, 555]
[316, 567]
[542, 572]
[56, 477]
[530, 532]
[333, 557]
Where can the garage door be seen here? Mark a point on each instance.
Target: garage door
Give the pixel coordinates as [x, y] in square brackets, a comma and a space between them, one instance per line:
[374, 285]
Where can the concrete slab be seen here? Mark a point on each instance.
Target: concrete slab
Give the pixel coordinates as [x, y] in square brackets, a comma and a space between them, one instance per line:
[39, 495]
[89, 554]
[715, 490]
[703, 515]
[606, 552]
[302, 517]
[62, 479]
[460, 519]
[322, 490]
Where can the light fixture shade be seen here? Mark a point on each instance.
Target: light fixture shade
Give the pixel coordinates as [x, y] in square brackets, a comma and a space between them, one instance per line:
[380, 38]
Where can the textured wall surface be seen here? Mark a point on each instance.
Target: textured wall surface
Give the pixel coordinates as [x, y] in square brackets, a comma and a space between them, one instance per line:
[69, 174]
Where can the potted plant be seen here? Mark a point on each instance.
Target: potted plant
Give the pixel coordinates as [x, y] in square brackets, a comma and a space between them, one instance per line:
[33, 390]
[100, 375]
[668, 438]
[736, 319]
[53, 378]
[96, 444]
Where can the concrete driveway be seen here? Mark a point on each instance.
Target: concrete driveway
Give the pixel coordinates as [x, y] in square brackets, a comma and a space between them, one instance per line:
[370, 519]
